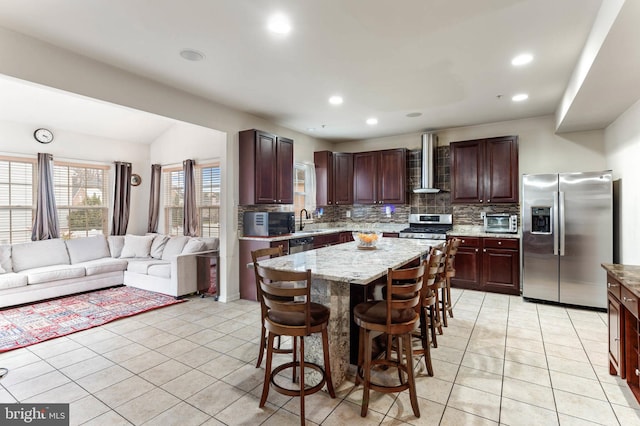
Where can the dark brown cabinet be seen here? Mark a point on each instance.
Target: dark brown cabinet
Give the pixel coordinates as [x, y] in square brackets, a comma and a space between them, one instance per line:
[485, 170]
[334, 178]
[326, 240]
[266, 168]
[624, 356]
[379, 177]
[488, 264]
[346, 237]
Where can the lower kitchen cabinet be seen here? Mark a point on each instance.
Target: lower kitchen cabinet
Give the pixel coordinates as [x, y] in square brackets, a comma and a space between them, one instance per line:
[623, 333]
[488, 264]
[325, 240]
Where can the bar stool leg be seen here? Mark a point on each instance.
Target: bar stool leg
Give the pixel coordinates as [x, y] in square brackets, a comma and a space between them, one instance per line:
[267, 371]
[302, 415]
[426, 345]
[444, 307]
[406, 340]
[327, 364]
[367, 373]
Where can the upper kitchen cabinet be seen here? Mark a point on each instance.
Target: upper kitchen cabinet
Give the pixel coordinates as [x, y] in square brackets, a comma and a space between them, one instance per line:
[379, 177]
[485, 170]
[266, 168]
[334, 177]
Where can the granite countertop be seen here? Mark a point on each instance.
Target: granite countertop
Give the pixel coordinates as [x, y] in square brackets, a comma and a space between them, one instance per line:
[628, 275]
[478, 231]
[346, 263]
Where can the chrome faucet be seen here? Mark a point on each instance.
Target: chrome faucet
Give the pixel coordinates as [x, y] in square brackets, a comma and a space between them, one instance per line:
[306, 215]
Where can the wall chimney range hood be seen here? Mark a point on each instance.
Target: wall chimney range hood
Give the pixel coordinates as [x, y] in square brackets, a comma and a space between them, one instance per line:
[429, 141]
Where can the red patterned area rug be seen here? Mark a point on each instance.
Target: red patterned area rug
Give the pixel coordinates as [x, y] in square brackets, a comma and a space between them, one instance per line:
[42, 321]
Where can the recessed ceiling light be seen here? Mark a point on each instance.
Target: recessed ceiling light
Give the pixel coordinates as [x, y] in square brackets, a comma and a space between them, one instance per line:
[523, 59]
[414, 114]
[311, 129]
[335, 100]
[520, 97]
[279, 24]
[372, 121]
[191, 55]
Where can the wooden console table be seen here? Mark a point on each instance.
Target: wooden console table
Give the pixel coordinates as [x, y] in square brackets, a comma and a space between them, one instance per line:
[623, 294]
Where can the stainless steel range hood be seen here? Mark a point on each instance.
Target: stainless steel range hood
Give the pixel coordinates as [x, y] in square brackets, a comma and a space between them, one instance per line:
[429, 141]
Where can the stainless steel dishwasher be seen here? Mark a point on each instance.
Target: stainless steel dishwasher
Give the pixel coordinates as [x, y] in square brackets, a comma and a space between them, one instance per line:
[296, 245]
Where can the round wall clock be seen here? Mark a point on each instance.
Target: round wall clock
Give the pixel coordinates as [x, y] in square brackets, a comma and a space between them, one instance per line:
[135, 180]
[43, 135]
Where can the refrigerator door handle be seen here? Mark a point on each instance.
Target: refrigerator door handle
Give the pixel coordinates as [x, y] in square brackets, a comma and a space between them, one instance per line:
[554, 223]
[561, 214]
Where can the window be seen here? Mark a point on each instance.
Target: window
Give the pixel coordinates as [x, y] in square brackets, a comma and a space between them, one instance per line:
[304, 188]
[81, 199]
[173, 200]
[207, 200]
[17, 205]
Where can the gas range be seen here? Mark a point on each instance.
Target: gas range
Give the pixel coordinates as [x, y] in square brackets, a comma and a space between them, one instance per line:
[428, 227]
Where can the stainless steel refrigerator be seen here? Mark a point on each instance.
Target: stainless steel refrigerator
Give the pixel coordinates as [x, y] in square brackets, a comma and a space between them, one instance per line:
[567, 232]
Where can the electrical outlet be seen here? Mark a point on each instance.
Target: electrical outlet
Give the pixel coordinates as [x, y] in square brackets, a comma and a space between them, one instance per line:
[483, 215]
[348, 213]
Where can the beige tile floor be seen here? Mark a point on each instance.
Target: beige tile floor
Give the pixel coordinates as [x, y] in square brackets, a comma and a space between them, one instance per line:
[501, 361]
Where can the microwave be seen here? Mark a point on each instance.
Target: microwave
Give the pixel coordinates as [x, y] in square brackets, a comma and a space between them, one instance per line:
[501, 223]
[268, 224]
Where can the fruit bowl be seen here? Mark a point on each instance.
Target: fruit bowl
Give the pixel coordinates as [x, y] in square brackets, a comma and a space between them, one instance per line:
[367, 239]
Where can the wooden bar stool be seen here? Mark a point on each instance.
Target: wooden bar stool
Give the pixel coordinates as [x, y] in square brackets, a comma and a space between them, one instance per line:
[450, 272]
[428, 308]
[397, 317]
[296, 319]
[255, 256]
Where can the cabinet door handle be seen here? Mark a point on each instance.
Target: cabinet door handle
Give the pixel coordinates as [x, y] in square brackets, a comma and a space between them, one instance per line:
[488, 201]
[637, 372]
[476, 250]
[499, 243]
[612, 285]
[484, 250]
[628, 299]
[480, 199]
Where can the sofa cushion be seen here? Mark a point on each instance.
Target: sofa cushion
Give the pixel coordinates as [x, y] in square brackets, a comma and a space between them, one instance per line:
[116, 242]
[160, 270]
[136, 246]
[53, 273]
[141, 266]
[11, 279]
[5, 259]
[174, 246]
[158, 245]
[38, 254]
[88, 248]
[101, 266]
[194, 245]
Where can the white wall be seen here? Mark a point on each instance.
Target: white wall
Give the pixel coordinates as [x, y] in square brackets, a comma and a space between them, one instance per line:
[17, 138]
[622, 141]
[42, 63]
[540, 149]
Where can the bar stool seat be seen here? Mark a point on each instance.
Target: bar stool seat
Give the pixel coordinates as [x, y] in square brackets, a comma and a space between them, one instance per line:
[286, 302]
[397, 317]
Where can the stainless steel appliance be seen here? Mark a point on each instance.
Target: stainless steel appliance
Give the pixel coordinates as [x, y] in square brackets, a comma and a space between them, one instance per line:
[268, 224]
[432, 227]
[501, 223]
[567, 232]
[296, 245]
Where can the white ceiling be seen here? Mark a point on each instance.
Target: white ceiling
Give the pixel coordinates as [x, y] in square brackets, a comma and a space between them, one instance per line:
[448, 60]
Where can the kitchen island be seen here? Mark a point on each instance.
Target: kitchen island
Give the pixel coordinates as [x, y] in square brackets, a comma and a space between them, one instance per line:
[341, 278]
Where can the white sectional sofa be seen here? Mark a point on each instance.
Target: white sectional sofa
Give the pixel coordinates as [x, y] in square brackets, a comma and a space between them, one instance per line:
[41, 270]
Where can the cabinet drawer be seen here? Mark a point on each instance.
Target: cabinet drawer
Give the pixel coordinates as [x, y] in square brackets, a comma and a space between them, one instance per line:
[469, 242]
[630, 301]
[506, 243]
[613, 287]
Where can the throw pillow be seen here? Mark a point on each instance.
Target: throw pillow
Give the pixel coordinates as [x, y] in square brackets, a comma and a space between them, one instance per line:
[116, 242]
[194, 245]
[174, 246]
[87, 248]
[158, 245]
[136, 246]
[5, 259]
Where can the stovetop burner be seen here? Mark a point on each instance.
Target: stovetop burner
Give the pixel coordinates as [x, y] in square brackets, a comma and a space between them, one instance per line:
[428, 226]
